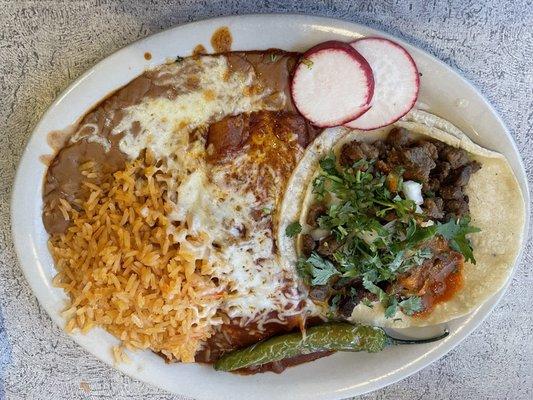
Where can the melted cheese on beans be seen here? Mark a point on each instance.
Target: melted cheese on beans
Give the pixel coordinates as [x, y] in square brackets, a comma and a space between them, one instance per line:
[165, 121]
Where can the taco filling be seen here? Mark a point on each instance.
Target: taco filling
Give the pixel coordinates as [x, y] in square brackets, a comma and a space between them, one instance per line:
[388, 221]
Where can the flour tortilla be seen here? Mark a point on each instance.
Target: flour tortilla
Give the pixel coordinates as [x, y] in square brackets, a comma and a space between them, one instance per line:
[496, 207]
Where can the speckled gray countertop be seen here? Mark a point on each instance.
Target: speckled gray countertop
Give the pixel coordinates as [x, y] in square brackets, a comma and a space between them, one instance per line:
[45, 45]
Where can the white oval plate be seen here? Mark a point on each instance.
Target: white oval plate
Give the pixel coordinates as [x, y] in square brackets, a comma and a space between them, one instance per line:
[341, 375]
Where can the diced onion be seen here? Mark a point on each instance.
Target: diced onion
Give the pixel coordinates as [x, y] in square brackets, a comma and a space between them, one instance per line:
[318, 234]
[368, 236]
[333, 199]
[413, 191]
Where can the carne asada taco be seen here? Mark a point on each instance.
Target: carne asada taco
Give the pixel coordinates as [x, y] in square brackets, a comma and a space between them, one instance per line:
[409, 225]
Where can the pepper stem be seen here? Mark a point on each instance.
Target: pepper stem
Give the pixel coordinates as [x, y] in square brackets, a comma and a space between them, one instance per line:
[419, 341]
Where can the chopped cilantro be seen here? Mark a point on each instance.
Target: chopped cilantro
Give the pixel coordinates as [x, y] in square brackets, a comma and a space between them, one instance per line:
[455, 232]
[328, 164]
[421, 255]
[317, 269]
[392, 308]
[333, 306]
[408, 306]
[417, 258]
[293, 229]
[367, 303]
[274, 57]
[378, 233]
[266, 210]
[395, 264]
[372, 288]
[307, 62]
[417, 234]
[358, 219]
[411, 305]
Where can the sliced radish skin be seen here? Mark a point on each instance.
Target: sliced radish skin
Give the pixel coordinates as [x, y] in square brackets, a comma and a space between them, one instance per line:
[396, 82]
[332, 84]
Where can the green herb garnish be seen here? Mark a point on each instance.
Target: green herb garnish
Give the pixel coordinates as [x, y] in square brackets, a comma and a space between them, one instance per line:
[293, 229]
[317, 270]
[179, 59]
[391, 308]
[455, 232]
[307, 62]
[367, 303]
[411, 305]
[266, 210]
[274, 57]
[372, 288]
[378, 233]
[358, 218]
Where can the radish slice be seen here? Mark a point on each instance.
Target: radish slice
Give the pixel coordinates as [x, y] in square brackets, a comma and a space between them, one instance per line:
[332, 84]
[396, 82]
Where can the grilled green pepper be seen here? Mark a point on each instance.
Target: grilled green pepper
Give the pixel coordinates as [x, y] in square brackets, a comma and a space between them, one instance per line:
[333, 336]
[327, 337]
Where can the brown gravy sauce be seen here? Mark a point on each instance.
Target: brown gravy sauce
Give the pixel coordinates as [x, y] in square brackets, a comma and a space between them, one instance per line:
[221, 40]
[147, 56]
[265, 131]
[46, 159]
[58, 138]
